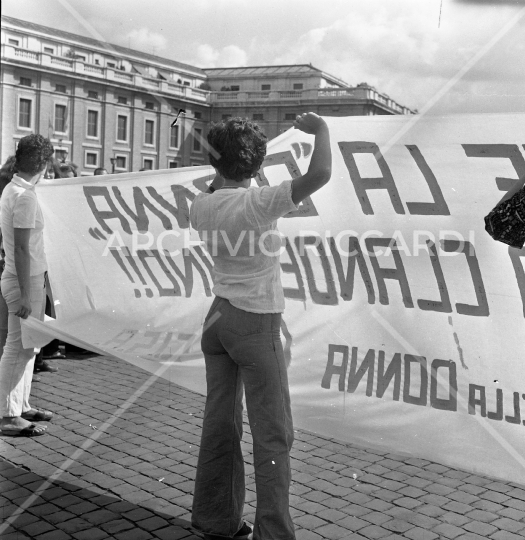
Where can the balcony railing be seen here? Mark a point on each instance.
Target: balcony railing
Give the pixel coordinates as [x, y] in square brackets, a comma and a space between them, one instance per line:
[109, 74]
[358, 93]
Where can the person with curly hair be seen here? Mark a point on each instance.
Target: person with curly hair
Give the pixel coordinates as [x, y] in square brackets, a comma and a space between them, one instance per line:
[241, 339]
[22, 284]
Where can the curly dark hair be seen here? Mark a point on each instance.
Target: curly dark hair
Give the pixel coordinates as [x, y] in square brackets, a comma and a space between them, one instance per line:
[241, 145]
[33, 153]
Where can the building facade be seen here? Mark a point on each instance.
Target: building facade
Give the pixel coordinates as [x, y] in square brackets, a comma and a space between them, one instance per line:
[274, 95]
[103, 105]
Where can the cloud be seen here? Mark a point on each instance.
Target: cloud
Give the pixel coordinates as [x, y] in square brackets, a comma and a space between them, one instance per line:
[145, 40]
[229, 56]
[404, 51]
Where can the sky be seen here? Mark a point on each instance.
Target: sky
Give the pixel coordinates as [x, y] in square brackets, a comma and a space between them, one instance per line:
[437, 56]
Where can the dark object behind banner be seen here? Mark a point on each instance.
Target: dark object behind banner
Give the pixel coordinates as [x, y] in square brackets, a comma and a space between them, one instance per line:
[506, 223]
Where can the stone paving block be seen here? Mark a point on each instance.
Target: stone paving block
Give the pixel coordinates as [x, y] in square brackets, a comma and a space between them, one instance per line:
[353, 523]
[374, 531]
[54, 535]
[60, 517]
[482, 515]
[117, 526]
[509, 525]
[331, 531]
[355, 510]
[420, 534]
[446, 530]
[82, 508]
[454, 519]
[511, 513]
[331, 515]
[97, 517]
[458, 507]
[408, 502]
[91, 534]
[310, 522]
[478, 527]
[377, 518]
[74, 525]
[398, 526]
[506, 535]
[37, 528]
[304, 534]
[171, 533]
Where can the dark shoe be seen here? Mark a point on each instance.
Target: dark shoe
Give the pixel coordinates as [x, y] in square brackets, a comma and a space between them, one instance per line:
[57, 355]
[44, 366]
[37, 415]
[33, 430]
[244, 533]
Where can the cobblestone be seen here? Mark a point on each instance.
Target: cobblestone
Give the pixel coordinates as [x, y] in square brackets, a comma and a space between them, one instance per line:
[135, 482]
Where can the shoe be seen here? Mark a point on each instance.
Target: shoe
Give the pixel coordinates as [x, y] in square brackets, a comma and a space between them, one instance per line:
[57, 355]
[44, 366]
[37, 415]
[33, 430]
[244, 533]
[36, 378]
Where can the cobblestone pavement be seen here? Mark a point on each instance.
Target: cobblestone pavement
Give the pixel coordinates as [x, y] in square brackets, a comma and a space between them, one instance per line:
[111, 467]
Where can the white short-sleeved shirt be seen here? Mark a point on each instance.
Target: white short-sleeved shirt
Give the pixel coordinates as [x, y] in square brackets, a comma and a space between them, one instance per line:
[20, 210]
[238, 227]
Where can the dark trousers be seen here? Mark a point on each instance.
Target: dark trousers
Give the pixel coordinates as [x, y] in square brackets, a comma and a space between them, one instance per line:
[244, 350]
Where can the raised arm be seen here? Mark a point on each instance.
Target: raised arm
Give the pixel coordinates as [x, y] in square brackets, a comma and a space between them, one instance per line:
[320, 168]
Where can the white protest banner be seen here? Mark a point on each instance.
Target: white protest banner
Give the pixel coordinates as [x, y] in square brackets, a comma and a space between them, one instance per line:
[404, 326]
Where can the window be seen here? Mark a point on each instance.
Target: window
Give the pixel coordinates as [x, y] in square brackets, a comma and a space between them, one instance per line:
[92, 124]
[298, 86]
[197, 115]
[186, 83]
[60, 88]
[24, 116]
[266, 87]
[111, 64]
[149, 132]
[80, 57]
[290, 116]
[150, 105]
[123, 100]
[122, 128]
[14, 42]
[121, 162]
[148, 164]
[174, 137]
[60, 118]
[235, 87]
[24, 81]
[197, 140]
[97, 61]
[92, 94]
[258, 116]
[91, 159]
[172, 164]
[49, 50]
[61, 155]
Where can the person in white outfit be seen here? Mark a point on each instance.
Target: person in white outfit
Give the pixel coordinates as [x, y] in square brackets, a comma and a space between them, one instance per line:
[22, 284]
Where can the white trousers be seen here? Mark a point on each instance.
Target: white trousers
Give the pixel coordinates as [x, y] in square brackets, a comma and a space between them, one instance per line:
[16, 364]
